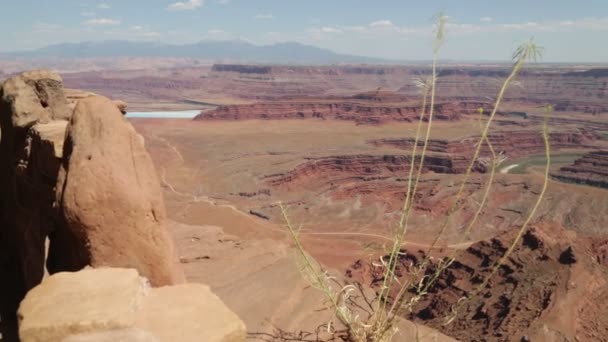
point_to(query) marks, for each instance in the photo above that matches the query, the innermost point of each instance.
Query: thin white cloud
(594, 24)
(136, 32)
(42, 27)
(264, 16)
(142, 31)
(218, 34)
(463, 28)
(584, 24)
(272, 36)
(103, 6)
(87, 14)
(331, 30)
(222, 2)
(101, 22)
(185, 5)
(322, 33)
(386, 28)
(381, 33)
(530, 26)
(382, 24)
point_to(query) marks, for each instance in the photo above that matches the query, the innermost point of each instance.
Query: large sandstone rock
(35, 96)
(109, 198)
(72, 303)
(75, 95)
(34, 114)
(118, 305)
(28, 104)
(189, 312)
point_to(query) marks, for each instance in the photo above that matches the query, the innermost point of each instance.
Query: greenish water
(540, 160)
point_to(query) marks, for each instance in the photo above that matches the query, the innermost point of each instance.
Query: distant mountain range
(236, 50)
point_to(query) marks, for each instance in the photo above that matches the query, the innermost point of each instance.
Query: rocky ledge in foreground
(590, 169)
(113, 304)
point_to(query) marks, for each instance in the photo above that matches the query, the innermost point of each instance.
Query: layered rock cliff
(444, 156)
(591, 169)
(361, 110)
(513, 144)
(366, 167)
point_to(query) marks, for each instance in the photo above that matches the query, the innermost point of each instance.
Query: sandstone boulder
(73, 303)
(189, 312)
(28, 104)
(118, 305)
(75, 95)
(35, 96)
(110, 215)
(111, 209)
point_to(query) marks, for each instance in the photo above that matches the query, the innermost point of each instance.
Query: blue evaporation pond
(183, 114)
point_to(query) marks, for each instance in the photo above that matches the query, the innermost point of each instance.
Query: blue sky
(571, 31)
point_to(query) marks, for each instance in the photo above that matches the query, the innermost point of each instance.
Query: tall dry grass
(381, 325)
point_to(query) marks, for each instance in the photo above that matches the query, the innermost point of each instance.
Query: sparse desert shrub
(381, 323)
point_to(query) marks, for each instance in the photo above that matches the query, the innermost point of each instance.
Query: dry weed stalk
(380, 325)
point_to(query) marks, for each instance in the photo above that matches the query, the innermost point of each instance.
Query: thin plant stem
(524, 226)
(528, 51)
(320, 280)
(393, 258)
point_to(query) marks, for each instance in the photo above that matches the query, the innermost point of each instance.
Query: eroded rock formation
(363, 166)
(591, 169)
(537, 283)
(513, 144)
(362, 110)
(445, 156)
(34, 115)
(110, 204)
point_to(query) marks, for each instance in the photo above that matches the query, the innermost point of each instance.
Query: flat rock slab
(112, 304)
(189, 313)
(87, 301)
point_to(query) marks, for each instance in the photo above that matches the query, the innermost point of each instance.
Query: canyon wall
(513, 144)
(567, 88)
(368, 167)
(591, 169)
(362, 112)
(444, 156)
